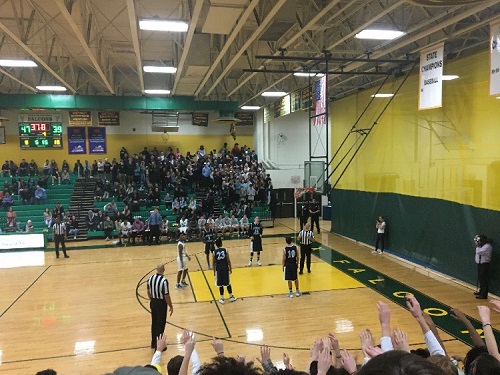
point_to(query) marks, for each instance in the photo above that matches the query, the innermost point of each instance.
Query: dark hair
(47, 372)
(396, 362)
(228, 366)
(218, 242)
(291, 372)
(486, 364)
(174, 365)
(288, 240)
(421, 352)
(472, 355)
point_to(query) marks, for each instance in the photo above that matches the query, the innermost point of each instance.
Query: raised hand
(400, 340)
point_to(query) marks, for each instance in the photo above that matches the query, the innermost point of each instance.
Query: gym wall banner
(495, 58)
(431, 77)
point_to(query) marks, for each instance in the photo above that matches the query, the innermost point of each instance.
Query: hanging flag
(320, 102)
(495, 58)
(431, 77)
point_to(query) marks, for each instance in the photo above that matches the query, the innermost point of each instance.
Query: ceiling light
(250, 107)
(498, 97)
(382, 95)
(163, 25)
(18, 63)
(379, 34)
(274, 93)
(449, 77)
(51, 88)
(157, 92)
(159, 69)
(305, 74)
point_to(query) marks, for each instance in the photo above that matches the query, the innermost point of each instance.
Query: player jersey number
(291, 253)
(221, 255)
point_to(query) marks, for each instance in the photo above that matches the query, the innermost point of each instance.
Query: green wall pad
(432, 232)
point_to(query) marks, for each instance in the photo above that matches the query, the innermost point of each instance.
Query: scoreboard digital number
(40, 135)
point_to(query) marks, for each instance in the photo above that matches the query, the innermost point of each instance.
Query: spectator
(168, 201)
(108, 227)
(90, 221)
(12, 223)
(26, 195)
(6, 169)
(125, 231)
(73, 227)
(78, 169)
(138, 230)
(99, 220)
(65, 177)
(7, 201)
(29, 226)
(23, 168)
(33, 168)
(40, 195)
(47, 218)
(244, 225)
(111, 210)
(58, 211)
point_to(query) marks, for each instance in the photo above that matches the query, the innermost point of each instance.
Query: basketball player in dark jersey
(255, 232)
(222, 269)
(290, 265)
(208, 237)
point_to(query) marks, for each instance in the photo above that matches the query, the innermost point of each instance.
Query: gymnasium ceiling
(95, 47)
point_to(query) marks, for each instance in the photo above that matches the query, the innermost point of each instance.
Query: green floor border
(396, 291)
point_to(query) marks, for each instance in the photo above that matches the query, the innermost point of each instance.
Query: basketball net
(299, 192)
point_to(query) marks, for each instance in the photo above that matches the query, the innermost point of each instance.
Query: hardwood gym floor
(87, 314)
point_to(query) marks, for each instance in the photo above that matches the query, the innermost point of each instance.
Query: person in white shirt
(219, 225)
(165, 228)
(201, 224)
(227, 224)
(183, 226)
(182, 262)
(211, 222)
(244, 225)
(125, 231)
(235, 226)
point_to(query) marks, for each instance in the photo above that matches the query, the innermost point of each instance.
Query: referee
(306, 238)
(158, 301)
(59, 236)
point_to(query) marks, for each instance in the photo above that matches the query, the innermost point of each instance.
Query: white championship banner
(22, 241)
(495, 58)
(431, 77)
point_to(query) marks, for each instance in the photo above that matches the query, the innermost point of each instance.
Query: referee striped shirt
(306, 237)
(59, 229)
(158, 286)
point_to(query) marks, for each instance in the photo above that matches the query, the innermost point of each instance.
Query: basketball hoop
(299, 192)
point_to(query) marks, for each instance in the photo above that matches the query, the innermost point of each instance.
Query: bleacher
(62, 194)
(55, 193)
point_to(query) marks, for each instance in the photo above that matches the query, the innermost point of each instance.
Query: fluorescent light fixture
(306, 74)
(159, 69)
(163, 25)
(18, 63)
(157, 92)
(274, 93)
(379, 34)
(51, 88)
(498, 97)
(382, 95)
(250, 107)
(449, 77)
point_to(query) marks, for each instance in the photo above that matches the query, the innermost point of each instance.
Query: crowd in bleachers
(128, 188)
(188, 186)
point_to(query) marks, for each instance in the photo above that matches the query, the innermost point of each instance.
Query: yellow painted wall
(134, 143)
(451, 153)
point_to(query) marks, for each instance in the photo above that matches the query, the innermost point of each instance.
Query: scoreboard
(40, 135)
